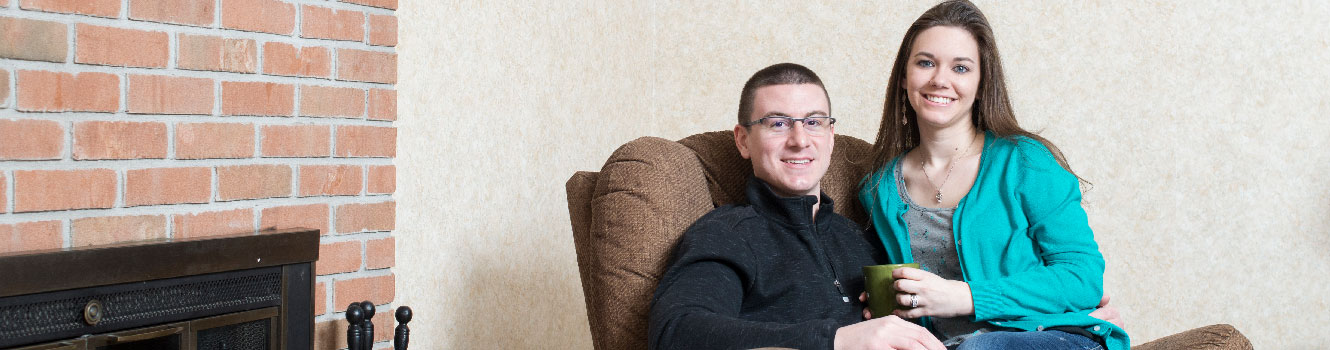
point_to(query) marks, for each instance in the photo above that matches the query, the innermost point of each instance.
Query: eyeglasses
(780, 125)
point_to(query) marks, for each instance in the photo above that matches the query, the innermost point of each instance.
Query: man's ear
(741, 140)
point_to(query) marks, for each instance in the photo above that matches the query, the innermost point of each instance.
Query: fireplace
(243, 292)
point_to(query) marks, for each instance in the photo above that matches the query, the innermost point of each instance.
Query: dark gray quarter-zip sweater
(766, 273)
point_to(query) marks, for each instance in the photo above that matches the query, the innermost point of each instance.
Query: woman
(990, 211)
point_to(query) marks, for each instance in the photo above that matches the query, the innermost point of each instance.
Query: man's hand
(1108, 313)
(934, 295)
(889, 332)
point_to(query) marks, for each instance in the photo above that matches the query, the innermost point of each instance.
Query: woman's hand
(1108, 313)
(933, 295)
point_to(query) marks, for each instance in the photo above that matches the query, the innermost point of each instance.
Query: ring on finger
(914, 300)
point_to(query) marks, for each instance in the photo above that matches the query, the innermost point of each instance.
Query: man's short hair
(777, 74)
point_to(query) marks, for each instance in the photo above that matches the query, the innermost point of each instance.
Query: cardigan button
(1040, 328)
(1096, 328)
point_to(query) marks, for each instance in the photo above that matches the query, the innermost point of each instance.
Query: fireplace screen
(234, 293)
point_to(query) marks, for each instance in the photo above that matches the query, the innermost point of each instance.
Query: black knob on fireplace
(92, 312)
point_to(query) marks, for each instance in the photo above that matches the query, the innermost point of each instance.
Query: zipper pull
(843, 296)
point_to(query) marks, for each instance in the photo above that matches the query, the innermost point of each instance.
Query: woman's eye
(961, 69)
(925, 63)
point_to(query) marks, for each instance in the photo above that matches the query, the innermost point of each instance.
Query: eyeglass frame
(830, 121)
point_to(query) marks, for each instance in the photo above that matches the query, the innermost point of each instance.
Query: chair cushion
(647, 194)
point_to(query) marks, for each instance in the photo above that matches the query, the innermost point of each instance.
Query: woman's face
(942, 76)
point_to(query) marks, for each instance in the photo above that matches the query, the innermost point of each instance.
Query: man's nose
(798, 136)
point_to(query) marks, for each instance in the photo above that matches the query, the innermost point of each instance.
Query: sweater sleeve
(698, 301)
(1071, 276)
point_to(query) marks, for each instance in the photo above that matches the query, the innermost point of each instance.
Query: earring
(905, 120)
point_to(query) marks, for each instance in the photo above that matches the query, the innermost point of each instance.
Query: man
(782, 270)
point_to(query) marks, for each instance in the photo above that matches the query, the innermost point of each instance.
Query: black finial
(403, 316)
(354, 336)
(369, 309)
(368, 326)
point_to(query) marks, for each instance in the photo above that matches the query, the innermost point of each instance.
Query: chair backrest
(627, 218)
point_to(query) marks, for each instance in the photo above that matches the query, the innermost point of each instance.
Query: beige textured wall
(1203, 127)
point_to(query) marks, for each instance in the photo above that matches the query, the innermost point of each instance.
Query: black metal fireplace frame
(49, 296)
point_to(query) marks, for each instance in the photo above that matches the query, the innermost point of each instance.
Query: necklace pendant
(938, 197)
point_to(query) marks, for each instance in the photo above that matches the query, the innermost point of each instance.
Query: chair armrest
(1217, 336)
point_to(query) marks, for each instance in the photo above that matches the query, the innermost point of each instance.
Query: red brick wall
(125, 120)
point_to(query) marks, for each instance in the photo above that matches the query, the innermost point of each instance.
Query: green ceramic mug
(881, 290)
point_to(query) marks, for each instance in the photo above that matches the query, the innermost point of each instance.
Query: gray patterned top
(934, 249)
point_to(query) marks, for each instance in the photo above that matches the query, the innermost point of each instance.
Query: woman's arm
(1071, 277)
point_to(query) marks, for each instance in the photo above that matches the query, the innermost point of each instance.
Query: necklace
(951, 166)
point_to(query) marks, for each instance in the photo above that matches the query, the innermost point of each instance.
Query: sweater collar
(797, 210)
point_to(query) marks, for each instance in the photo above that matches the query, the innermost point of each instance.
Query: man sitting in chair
(782, 270)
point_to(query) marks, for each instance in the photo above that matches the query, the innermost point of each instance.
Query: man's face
(794, 161)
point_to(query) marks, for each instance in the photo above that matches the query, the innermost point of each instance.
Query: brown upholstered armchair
(627, 218)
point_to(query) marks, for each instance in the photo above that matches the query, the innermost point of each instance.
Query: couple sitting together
(990, 211)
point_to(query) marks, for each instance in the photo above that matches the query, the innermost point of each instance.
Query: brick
(325, 23)
(366, 141)
(381, 253)
(287, 59)
(382, 30)
(257, 98)
(167, 186)
(43, 91)
(100, 8)
(29, 236)
(43, 190)
(331, 335)
(382, 179)
(212, 53)
(325, 101)
(191, 12)
(382, 104)
(33, 40)
(4, 88)
(121, 47)
(330, 180)
(4, 194)
(119, 140)
(116, 229)
(388, 4)
(313, 216)
(159, 94)
(320, 298)
(338, 257)
(214, 140)
(214, 223)
(296, 140)
(269, 16)
(367, 66)
(30, 139)
(253, 181)
(378, 290)
(353, 218)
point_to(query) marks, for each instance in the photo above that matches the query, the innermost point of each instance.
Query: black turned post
(354, 336)
(403, 316)
(368, 326)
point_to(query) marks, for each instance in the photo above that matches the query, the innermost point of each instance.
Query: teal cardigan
(1025, 245)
